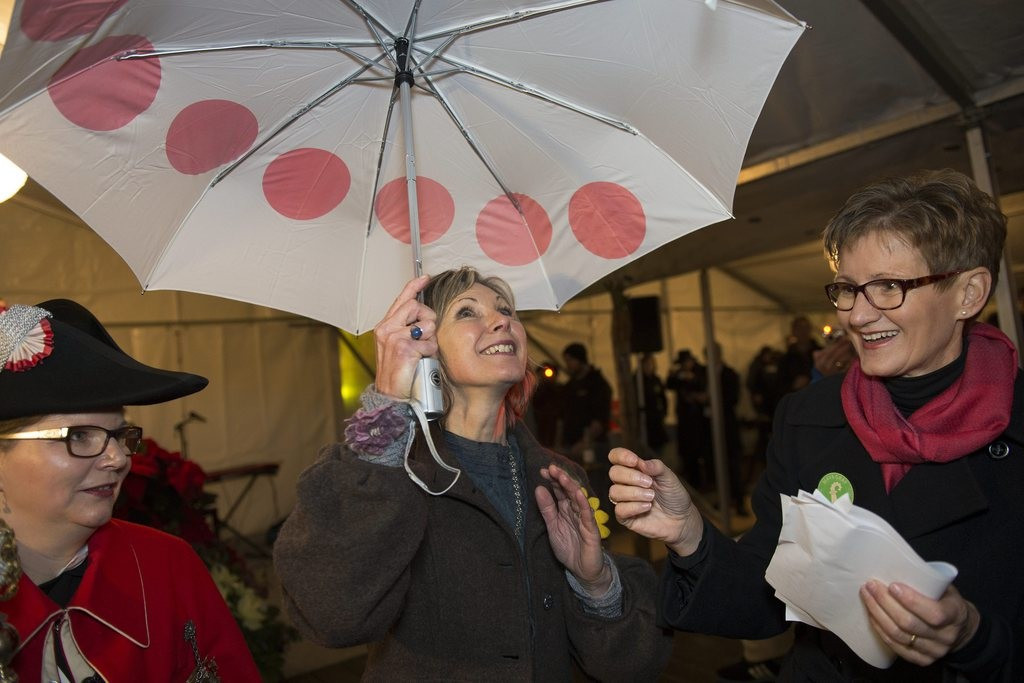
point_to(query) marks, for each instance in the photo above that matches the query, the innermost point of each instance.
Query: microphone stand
(180, 428)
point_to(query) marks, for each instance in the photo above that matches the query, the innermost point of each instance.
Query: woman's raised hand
(572, 530)
(650, 500)
(398, 350)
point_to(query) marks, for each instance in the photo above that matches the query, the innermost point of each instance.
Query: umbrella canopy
(245, 151)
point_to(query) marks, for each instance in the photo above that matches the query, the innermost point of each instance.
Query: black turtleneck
(62, 588)
(910, 393)
(488, 466)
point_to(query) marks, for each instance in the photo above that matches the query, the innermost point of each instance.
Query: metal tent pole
(714, 377)
(1005, 291)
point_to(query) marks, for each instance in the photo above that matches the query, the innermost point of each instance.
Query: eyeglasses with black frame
(86, 441)
(885, 294)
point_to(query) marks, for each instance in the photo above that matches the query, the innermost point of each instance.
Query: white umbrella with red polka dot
(257, 150)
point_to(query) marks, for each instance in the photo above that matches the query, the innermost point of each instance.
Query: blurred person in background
(796, 367)
(763, 385)
(587, 407)
(546, 405)
(688, 379)
(655, 404)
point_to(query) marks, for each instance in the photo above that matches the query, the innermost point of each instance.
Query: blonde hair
(439, 294)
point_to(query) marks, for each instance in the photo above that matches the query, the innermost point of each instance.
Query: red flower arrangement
(165, 491)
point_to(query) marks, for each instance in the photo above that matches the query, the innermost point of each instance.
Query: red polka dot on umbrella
(607, 219)
(434, 201)
(51, 20)
(306, 183)
(505, 238)
(97, 92)
(209, 133)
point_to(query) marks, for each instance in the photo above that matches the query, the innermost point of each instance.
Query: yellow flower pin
(600, 516)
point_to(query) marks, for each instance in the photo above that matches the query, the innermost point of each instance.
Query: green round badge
(834, 485)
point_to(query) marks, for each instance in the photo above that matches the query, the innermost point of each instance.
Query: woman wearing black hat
(99, 599)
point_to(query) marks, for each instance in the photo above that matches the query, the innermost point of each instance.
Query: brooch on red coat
(206, 667)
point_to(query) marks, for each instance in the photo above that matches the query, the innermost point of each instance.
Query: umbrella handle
(417, 410)
(426, 387)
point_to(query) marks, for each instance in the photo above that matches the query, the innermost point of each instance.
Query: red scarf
(964, 417)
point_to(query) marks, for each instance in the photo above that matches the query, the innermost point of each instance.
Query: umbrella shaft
(404, 98)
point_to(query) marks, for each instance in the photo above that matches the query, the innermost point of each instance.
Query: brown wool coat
(438, 585)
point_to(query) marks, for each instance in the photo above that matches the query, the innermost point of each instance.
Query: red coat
(128, 615)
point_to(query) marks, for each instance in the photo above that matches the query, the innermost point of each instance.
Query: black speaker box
(645, 320)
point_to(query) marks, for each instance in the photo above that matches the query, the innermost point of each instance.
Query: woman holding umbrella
(926, 429)
(99, 598)
(497, 573)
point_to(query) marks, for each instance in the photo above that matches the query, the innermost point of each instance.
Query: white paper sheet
(827, 551)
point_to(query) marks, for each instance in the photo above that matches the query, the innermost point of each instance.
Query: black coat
(969, 512)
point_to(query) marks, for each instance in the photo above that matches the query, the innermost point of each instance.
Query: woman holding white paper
(926, 429)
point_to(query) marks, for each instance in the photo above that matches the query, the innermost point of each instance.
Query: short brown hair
(439, 294)
(942, 214)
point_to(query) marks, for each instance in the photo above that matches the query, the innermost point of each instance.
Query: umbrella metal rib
(464, 130)
(388, 52)
(375, 25)
(511, 18)
(338, 87)
(399, 52)
(533, 92)
(472, 143)
(555, 159)
(343, 46)
(410, 25)
(380, 158)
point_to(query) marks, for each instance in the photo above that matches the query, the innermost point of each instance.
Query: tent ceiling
(873, 89)
(790, 209)
(850, 72)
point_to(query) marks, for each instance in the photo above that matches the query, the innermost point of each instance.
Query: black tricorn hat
(57, 358)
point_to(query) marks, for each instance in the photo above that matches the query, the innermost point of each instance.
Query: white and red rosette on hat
(26, 337)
